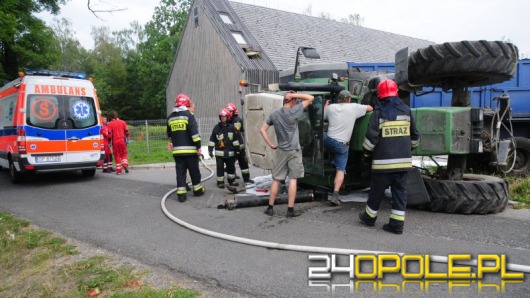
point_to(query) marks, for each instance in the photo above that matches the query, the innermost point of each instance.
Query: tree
(25, 41)
(156, 54)
(325, 16)
(308, 11)
(73, 57)
(107, 65)
(354, 19)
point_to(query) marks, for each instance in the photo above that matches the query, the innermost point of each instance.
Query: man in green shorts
(288, 153)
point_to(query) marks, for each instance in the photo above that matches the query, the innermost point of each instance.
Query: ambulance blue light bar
(64, 74)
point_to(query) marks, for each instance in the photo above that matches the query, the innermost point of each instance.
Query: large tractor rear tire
(465, 63)
(478, 194)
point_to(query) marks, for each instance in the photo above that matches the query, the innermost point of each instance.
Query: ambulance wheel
(16, 176)
(88, 173)
(465, 63)
(475, 194)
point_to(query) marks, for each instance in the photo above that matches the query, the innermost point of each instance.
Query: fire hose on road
(304, 248)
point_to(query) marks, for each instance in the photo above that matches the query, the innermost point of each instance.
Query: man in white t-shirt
(341, 117)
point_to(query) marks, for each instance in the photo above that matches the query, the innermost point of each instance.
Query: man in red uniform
(107, 161)
(119, 132)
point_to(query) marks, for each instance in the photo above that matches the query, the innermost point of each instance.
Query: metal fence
(152, 134)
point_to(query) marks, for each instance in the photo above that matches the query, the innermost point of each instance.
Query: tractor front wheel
(479, 194)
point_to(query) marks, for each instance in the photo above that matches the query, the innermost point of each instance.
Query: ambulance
(50, 121)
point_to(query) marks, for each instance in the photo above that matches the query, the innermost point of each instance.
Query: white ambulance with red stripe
(50, 121)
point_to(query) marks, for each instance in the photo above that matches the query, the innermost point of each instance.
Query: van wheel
(16, 176)
(88, 173)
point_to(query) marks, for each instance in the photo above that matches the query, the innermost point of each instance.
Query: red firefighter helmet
(182, 100)
(387, 88)
(232, 108)
(224, 112)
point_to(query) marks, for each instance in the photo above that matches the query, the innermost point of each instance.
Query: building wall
(204, 69)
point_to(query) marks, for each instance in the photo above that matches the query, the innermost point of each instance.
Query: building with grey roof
(225, 42)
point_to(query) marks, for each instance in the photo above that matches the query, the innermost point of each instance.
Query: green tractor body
(456, 132)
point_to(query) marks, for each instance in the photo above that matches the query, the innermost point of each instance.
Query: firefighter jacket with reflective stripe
(238, 125)
(225, 139)
(391, 136)
(183, 131)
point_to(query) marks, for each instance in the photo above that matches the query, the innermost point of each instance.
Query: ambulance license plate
(47, 158)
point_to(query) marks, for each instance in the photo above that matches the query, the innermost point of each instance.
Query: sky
(433, 20)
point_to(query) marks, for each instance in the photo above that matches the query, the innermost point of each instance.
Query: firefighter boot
(220, 184)
(367, 219)
(232, 182)
(182, 197)
(199, 192)
(394, 226)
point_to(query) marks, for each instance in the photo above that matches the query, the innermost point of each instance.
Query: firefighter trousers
(398, 187)
(243, 165)
(187, 163)
(230, 168)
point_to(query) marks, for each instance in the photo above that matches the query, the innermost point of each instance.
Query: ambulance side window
(42, 111)
(81, 110)
(7, 111)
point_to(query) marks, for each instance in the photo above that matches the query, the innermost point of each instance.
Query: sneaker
(182, 198)
(366, 219)
(335, 199)
(390, 229)
(199, 192)
(269, 212)
(126, 169)
(290, 214)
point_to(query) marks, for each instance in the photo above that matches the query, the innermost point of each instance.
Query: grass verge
(519, 188)
(34, 263)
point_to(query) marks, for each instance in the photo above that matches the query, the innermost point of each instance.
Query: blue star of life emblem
(81, 110)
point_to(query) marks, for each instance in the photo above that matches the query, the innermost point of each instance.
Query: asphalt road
(122, 214)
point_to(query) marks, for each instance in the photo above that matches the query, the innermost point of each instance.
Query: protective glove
(211, 154)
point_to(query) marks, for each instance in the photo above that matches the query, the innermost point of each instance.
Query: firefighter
(185, 144)
(242, 156)
(225, 140)
(107, 139)
(390, 136)
(119, 133)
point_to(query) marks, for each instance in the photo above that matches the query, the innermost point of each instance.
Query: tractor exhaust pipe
(311, 87)
(246, 200)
